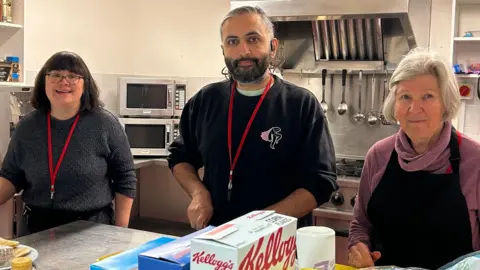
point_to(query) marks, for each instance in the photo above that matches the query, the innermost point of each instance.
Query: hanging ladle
(359, 116)
(324, 103)
(343, 107)
(372, 119)
(383, 120)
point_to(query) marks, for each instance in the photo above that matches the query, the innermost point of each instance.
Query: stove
(338, 212)
(349, 167)
(348, 180)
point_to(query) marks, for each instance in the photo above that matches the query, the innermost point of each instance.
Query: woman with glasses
(70, 157)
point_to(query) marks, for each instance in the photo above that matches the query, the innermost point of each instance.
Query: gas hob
(348, 180)
(349, 167)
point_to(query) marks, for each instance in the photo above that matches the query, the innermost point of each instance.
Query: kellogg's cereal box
(259, 240)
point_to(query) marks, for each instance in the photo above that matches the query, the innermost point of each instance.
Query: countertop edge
(146, 162)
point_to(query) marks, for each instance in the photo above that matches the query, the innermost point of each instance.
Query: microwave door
(143, 96)
(146, 97)
(148, 139)
(151, 99)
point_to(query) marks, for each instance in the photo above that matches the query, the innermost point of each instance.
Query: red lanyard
(233, 162)
(53, 174)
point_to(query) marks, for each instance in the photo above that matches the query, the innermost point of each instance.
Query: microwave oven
(151, 97)
(149, 136)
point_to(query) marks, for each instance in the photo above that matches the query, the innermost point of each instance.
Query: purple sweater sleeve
(374, 166)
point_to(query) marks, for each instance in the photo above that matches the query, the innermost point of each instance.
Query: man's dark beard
(253, 75)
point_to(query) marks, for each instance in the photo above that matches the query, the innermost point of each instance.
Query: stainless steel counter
(145, 162)
(79, 244)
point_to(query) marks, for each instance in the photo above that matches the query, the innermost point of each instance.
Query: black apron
(40, 219)
(420, 219)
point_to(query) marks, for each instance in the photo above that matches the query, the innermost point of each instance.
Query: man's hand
(200, 210)
(360, 256)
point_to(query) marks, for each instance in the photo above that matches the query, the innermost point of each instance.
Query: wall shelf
(10, 87)
(467, 39)
(12, 43)
(468, 2)
(472, 76)
(4, 25)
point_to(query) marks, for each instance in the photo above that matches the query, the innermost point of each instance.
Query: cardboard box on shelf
(259, 240)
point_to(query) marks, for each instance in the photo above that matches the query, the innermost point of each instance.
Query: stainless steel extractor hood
(352, 34)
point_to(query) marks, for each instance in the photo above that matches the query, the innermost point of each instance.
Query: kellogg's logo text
(275, 252)
(255, 214)
(201, 258)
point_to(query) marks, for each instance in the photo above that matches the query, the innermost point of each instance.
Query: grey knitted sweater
(97, 164)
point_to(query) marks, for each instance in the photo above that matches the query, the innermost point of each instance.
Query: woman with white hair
(418, 197)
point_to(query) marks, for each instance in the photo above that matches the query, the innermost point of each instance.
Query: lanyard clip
(52, 191)
(229, 192)
(230, 186)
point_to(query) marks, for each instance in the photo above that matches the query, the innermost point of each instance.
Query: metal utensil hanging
(359, 116)
(372, 119)
(324, 103)
(343, 107)
(383, 120)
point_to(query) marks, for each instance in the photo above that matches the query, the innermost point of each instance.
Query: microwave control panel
(176, 131)
(180, 96)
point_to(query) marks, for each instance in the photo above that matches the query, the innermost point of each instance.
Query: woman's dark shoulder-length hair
(72, 62)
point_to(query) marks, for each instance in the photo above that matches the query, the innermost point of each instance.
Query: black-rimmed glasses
(71, 79)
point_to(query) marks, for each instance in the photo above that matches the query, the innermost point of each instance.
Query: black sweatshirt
(97, 163)
(288, 147)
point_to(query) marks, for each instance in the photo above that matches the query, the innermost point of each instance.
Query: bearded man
(264, 143)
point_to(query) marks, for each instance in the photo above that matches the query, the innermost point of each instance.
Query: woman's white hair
(423, 62)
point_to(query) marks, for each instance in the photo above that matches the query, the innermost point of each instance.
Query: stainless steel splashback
(351, 139)
(369, 35)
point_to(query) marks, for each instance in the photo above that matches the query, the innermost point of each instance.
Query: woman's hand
(360, 256)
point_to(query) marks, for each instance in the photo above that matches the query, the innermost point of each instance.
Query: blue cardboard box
(174, 255)
(128, 260)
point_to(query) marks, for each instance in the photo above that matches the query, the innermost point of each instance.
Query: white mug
(316, 248)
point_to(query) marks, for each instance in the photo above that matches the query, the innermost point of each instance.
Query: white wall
(120, 37)
(148, 37)
(440, 27)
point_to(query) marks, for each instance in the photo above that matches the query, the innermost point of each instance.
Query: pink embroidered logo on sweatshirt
(273, 136)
